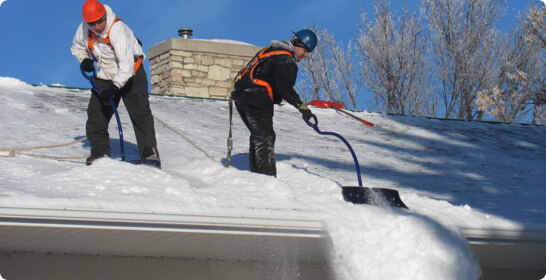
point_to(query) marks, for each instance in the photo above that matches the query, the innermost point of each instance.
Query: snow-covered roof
(463, 182)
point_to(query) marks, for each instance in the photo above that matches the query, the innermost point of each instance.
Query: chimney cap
(185, 32)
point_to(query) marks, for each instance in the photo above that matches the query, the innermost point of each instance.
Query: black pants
(135, 97)
(262, 139)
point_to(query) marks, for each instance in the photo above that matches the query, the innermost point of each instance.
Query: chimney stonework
(197, 68)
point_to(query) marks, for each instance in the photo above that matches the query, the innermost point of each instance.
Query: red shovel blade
(372, 196)
(338, 107)
(325, 104)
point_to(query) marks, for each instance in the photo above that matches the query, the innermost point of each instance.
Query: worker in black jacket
(268, 79)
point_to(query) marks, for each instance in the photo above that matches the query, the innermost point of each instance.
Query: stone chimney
(195, 67)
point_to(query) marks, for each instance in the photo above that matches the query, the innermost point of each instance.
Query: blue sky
(36, 35)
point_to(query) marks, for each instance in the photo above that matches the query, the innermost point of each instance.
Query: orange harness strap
(138, 62)
(92, 38)
(255, 61)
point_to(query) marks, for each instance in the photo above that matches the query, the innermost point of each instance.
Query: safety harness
(249, 69)
(92, 38)
(251, 66)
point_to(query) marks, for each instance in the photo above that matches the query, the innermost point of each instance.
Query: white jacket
(116, 65)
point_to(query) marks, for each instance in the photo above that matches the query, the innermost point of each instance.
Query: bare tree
(463, 33)
(329, 72)
(519, 73)
(394, 63)
(537, 36)
(318, 84)
(461, 66)
(345, 73)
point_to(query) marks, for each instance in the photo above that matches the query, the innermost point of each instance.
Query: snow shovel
(360, 194)
(92, 81)
(338, 107)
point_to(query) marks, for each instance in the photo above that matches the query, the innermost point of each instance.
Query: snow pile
(386, 244)
(432, 165)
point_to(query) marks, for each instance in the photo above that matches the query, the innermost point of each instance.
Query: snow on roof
(456, 177)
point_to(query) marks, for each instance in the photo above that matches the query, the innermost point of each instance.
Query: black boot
(151, 158)
(92, 158)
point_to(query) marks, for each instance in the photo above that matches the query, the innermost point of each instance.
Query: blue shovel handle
(315, 126)
(120, 130)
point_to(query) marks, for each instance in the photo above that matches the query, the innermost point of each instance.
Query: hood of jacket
(110, 17)
(285, 45)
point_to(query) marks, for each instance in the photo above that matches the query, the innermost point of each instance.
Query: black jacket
(279, 71)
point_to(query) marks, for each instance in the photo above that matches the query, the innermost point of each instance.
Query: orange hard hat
(93, 10)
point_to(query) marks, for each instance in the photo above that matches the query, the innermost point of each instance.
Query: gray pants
(135, 98)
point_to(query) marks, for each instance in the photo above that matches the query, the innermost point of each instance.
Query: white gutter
(77, 218)
(523, 249)
(96, 232)
(99, 232)
(520, 237)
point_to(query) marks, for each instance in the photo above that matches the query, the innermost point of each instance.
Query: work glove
(88, 65)
(305, 112)
(111, 91)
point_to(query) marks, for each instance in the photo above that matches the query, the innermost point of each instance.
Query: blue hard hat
(307, 37)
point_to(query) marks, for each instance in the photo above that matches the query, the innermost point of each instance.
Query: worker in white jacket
(105, 39)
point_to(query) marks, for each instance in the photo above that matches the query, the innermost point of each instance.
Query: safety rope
(13, 152)
(183, 136)
(230, 134)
